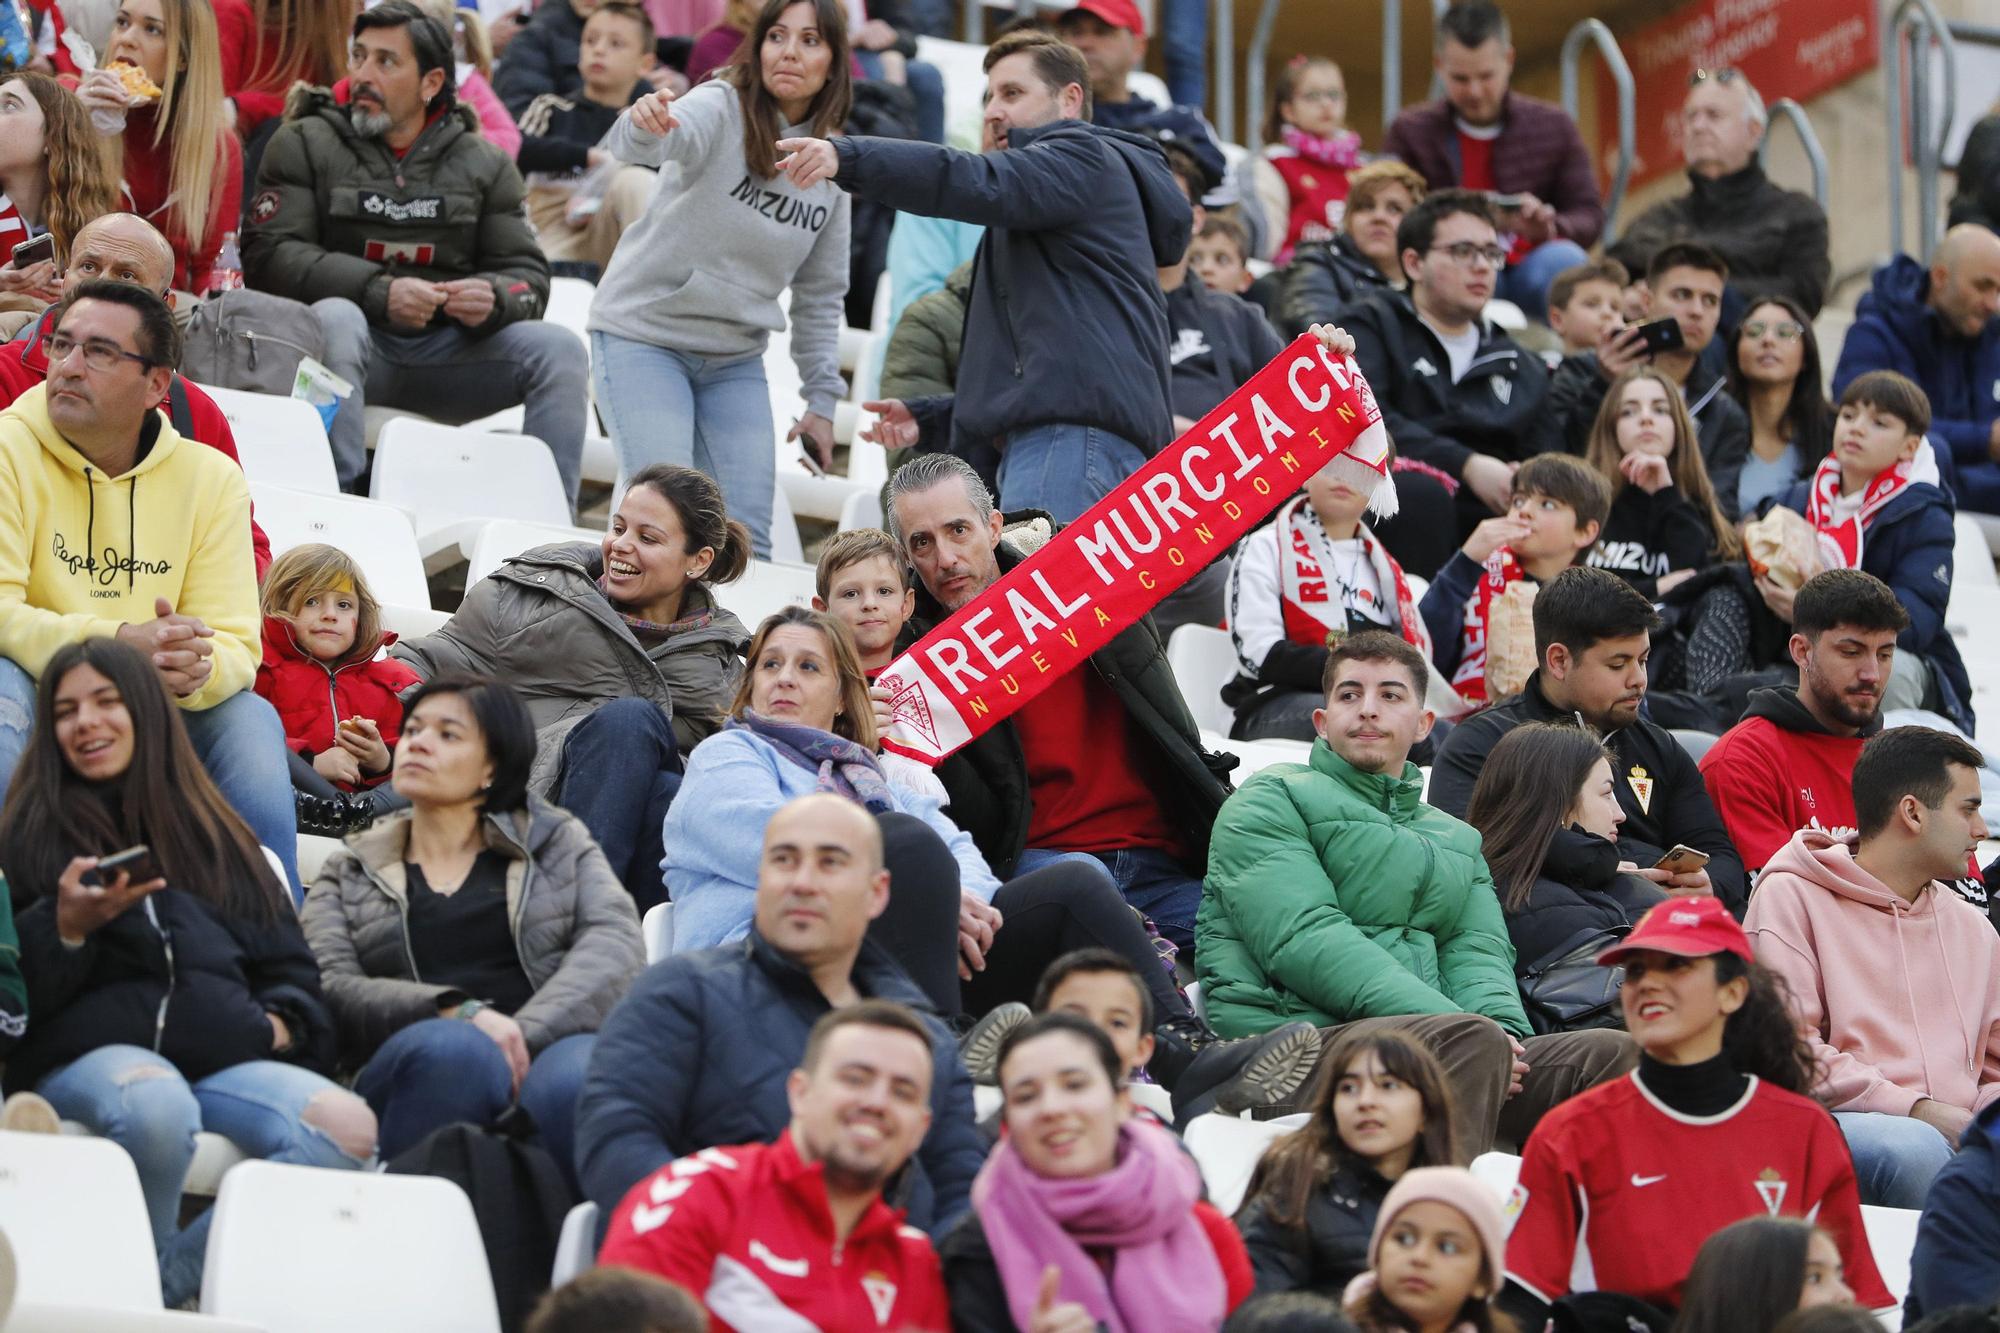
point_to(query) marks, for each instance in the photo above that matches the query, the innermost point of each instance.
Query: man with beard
(1592, 638)
(405, 231)
(797, 1232)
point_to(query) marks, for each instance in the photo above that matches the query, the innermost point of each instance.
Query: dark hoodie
(1577, 890)
(1576, 393)
(1646, 536)
(1066, 321)
(1896, 329)
(1219, 342)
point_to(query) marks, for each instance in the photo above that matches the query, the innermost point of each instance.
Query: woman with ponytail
(620, 650)
(1716, 1124)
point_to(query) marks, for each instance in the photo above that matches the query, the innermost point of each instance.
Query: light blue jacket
(714, 835)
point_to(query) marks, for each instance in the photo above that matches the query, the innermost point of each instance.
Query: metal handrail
(1253, 72)
(1392, 61)
(1224, 37)
(1900, 34)
(1787, 109)
(1594, 32)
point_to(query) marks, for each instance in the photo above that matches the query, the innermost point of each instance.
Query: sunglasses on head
(1726, 74)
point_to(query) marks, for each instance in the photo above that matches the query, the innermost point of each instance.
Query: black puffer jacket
(542, 58)
(1773, 239)
(174, 975)
(1579, 889)
(1323, 277)
(988, 779)
(696, 1056)
(1331, 1250)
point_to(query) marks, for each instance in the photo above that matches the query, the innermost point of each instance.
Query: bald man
(126, 248)
(698, 1053)
(1941, 327)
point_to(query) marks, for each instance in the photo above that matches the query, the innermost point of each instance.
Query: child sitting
(1586, 303)
(1314, 573)
(863, 582)
(578, 216)
(1301, 180)
(1664, 523)
(1878, 506)
(1435, 1258)
(1381, 1109)
(1220, 256)
(1559, 507)
(325, 672)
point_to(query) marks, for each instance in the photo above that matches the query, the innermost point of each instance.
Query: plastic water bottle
(227, 275)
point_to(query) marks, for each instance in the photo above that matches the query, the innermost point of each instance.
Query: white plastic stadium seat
(280, 440)
(304, 1250)
(658, 929)
(1152, 1097)
(378, 536)
(1892, 1234)
(1228, 1150)
(503, 539)
(766, 587)
(313, 851)
(1497, 1171)
(1195, 1002)
(453, 479)
(785, 543)
(1203, 660)
(576, 1248)
(1971, 559)
(78, 1246)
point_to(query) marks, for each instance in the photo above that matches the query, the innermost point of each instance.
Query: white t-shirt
(1460, 347)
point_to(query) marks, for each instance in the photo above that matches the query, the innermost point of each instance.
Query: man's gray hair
(1753, 102)
(927, 470)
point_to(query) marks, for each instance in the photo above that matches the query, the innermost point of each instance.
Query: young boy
(1220, 255)
(862, 581)
(1313, 573)
(1878, 505)
(560, 137)
(1586, 303)
(1559, 507)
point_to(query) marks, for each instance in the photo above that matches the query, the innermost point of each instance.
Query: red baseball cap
(1687, 927)
(1116, 13)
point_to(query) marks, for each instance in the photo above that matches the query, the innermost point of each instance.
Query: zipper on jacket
(166, 946)
(1007, 323)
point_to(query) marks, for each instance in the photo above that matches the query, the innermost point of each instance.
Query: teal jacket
(1334, 894)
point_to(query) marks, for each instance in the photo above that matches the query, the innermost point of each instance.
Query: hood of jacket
(1899, 295)
(1160, 199)
(1829, 863)
(31, 409)
(1581, 860)
(1782, 708)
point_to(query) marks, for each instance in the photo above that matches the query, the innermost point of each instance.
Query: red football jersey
(1617, 1191)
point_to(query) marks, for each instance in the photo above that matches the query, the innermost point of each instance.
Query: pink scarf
(1342, 151)
(1164, 1276)
(1840, 540)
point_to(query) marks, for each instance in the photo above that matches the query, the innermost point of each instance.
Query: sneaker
(1248, 1072)
(29, 1113)
(979, 1048)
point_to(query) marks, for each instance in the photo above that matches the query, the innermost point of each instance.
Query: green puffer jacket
(336, 214)
(1334, 894)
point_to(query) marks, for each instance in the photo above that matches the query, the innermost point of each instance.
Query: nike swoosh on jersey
(1640, 1182)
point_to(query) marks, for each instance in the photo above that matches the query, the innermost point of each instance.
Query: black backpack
(519, 1196)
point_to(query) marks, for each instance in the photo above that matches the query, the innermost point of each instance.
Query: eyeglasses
(1464, 252)
(1726, 74)
(98, 353)
(1785, 330)
(1319, 95)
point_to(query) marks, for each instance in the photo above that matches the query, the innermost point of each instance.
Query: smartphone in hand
(1661, 335)
(136, 863)
(1682, 860)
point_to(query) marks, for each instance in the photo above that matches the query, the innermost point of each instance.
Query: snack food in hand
(138, 86)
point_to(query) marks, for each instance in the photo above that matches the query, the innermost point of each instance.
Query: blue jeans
(1895, 1156)
(604, 762)
(239, 741)
(140, 1102)
(1527, 283)
(1184, 29)
(1064, 469)
(450, 374)
(663, 406)
(443, 1071)
(1149, 879)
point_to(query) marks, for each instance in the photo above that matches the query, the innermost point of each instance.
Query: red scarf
(1840, 538)
(1311, 611)
(1470, 679)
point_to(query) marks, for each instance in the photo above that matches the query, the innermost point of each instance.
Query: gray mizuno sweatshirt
(703, 269)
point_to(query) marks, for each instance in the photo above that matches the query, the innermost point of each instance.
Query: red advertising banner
(1166, 522)
(1787, 48)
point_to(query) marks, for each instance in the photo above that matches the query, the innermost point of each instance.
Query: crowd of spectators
(1599, 847)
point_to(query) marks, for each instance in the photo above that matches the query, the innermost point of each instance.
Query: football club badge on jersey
(1771, 1189)
(1510, 1211)
(1641, 783)
(881, 1295)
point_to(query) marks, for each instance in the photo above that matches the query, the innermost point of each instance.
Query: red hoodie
(1778, 771)
(23, 365)
(310, 697)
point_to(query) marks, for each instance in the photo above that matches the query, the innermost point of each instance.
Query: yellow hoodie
(176, 526)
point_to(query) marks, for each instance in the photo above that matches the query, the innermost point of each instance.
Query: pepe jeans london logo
(107, 570)
(429, 208)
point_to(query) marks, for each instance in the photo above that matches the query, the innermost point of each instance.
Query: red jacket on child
(310, 697)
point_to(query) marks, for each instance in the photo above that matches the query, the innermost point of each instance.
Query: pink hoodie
(1900, 1001)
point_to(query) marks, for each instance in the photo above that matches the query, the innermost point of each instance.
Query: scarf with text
(1182, 510)
(1312, 607)
(1840, 535)
(1470, 678)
